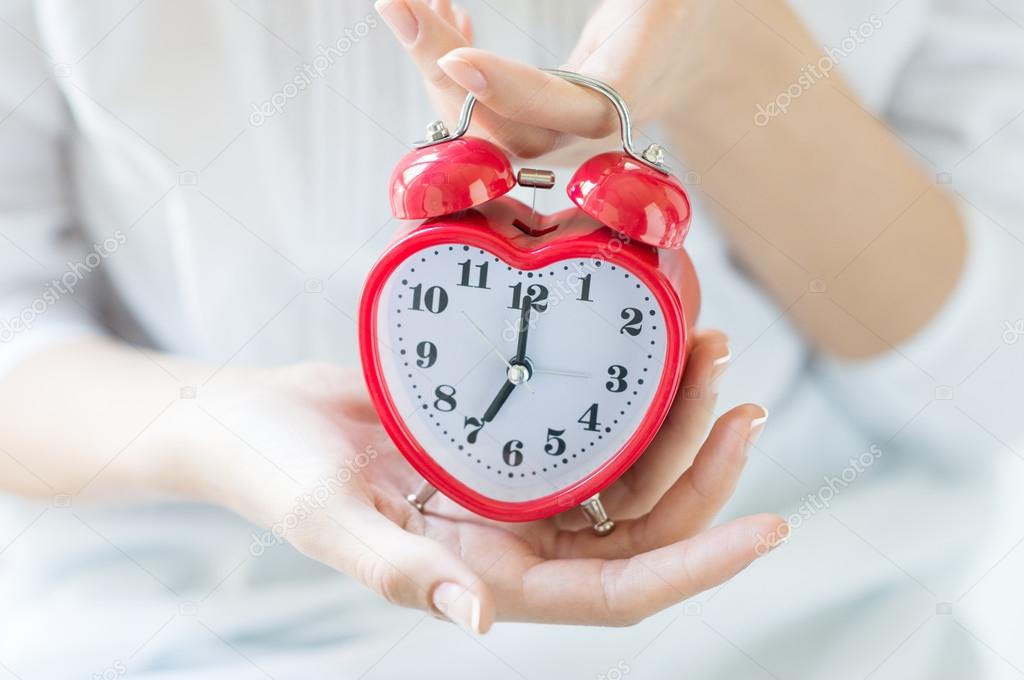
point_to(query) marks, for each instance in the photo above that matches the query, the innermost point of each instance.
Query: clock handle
(422, 495)
(595, 512)
(653, 156)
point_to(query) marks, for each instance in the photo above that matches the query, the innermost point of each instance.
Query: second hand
(493, 347)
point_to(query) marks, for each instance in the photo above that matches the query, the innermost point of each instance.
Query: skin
(847, 232)
(254, 441)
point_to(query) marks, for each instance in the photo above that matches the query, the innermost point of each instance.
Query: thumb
(406, 569)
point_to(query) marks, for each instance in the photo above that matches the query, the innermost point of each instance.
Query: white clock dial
(595, 351)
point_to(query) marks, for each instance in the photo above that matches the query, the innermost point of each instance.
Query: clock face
(516, 427)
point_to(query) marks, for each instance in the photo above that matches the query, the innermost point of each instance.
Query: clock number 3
(618, 379)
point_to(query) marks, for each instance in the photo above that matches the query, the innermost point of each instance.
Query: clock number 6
(512, 454)
(555, 445)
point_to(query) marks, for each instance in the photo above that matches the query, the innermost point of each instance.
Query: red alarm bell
(522, 363)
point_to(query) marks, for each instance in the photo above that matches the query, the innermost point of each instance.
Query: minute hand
(524, 330)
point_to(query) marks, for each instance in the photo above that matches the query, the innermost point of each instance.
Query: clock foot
(422, 495)
(595, 512)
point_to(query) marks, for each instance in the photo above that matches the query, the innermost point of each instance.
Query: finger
(528, 95)
(444, 9)
(680, 436)
(405, 568)
(625, 591)
(426, 36)
(691, 504)
(464, 24)
(700, 494)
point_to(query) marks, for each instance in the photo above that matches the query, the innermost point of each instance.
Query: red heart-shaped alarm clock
(522, 363)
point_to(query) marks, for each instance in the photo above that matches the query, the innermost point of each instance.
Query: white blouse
(209, 179)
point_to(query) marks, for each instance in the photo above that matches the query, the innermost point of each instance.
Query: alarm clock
(521, 362)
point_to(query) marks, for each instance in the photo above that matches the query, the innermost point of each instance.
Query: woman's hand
(300, 450)
(704, 71)
(626, 43)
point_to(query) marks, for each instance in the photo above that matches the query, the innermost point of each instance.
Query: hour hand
(499, 401)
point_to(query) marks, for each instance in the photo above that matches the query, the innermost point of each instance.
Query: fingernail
(779, 536)
(459, 605)
(756, 428)
(400, 18)
(718, 367)
(463, 73)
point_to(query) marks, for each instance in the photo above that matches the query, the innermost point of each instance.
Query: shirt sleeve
(46, 268)
(960, 109)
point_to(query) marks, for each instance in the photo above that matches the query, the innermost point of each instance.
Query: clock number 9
(434, 299)
(427, 353)
(555, 445)
(634, 321)
(618, 379)
(512, 454)
(445, 401)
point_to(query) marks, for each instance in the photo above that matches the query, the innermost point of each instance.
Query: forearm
(822, 203)
(94, 419)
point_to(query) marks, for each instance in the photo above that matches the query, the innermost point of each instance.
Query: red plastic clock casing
(446, 178)
(506, 228)
(634, 199)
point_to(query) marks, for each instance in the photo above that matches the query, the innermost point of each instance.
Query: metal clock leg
(595, 512)
(422, 495)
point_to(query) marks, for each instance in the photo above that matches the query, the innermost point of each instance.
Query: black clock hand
(499, 401)
(524, 329)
